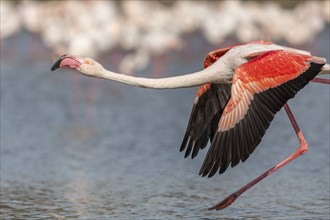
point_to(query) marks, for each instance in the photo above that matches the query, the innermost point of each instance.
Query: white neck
(211, 74)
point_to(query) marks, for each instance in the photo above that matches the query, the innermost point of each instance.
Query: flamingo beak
(67, 61)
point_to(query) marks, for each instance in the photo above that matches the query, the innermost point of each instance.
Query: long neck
(211, 74)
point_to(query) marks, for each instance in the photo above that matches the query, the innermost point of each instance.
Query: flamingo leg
(76, 97)
(321, 80)
(89, 99)
(303, 147)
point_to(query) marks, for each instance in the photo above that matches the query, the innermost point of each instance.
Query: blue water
(80, 148)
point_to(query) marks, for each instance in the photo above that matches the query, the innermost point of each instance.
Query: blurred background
(143, 30)
(78, 147)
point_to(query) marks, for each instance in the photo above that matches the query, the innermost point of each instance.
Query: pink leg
(321, 80)
(301, 149)
(76, 97)
(92, 86)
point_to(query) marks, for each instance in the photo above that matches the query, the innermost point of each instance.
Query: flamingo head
(85, 65)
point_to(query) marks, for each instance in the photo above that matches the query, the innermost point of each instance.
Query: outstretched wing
(209, 103)
(260, 88)
(207, 109)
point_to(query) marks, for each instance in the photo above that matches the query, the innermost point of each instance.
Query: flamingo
(240, 90)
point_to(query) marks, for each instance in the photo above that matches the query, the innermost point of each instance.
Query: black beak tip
(55, 66)
(57, 63)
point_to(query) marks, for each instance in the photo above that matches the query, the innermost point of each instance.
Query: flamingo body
(216, 54)
(234, 116)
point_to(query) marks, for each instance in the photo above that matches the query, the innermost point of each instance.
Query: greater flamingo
(241, 89)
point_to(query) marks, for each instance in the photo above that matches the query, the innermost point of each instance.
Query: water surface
(79, 148)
